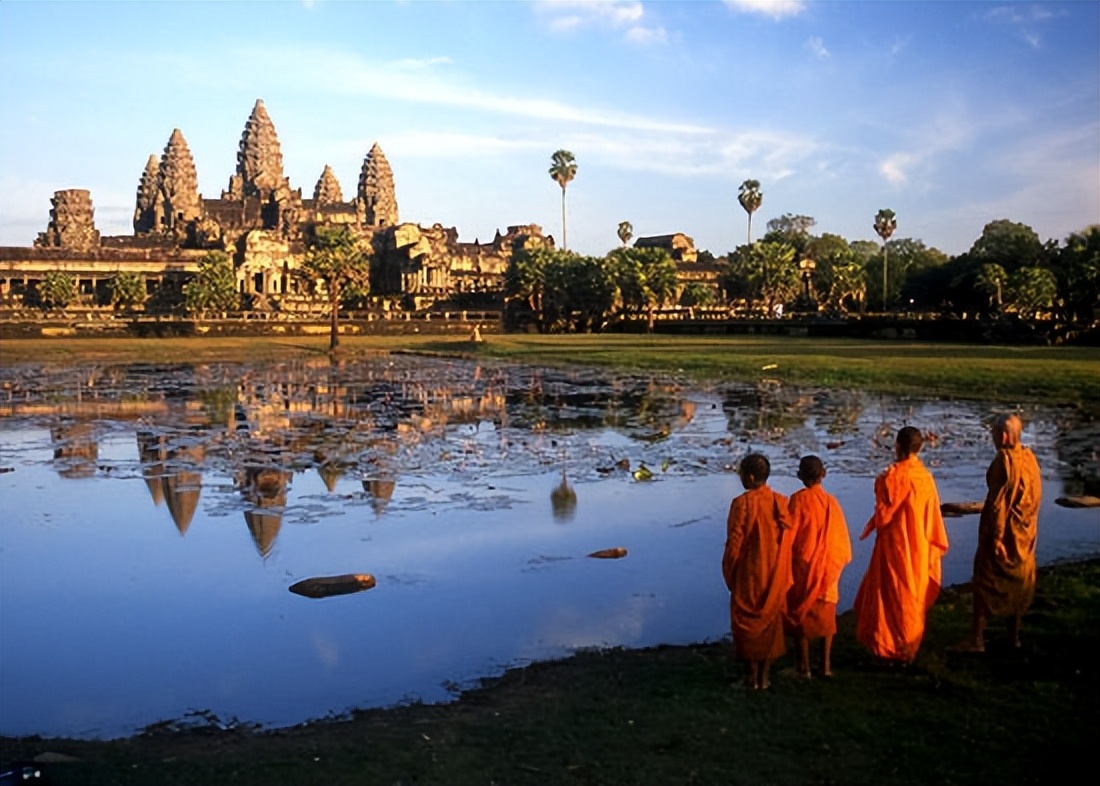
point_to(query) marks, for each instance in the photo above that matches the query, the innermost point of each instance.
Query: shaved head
(1006, 431)
(909, 442)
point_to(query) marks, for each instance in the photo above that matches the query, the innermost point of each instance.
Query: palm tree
(626, 231)
(991, 280)
(750, 196)
(563, 169)
(885, 224)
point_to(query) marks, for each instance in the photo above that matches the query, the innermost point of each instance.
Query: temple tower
(259, 161)
(327, 191)
(179, 201)
(72, 222)
(377, 200)
(145, 211)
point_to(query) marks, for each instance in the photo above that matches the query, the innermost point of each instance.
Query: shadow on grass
(679, 715)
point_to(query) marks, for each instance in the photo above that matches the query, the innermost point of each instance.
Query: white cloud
(817, 46)
(618, 15)
(350, 75)
(418, 63)
(776, 9)
(442, 144)
(895, 168)
(647, 35)
(1026, 20)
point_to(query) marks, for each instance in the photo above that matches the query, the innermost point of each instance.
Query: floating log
(1079, 501)
(961, 508)
(326, 586)
(616, 553)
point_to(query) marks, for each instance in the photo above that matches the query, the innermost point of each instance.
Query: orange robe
(1011, 517)
(820, 549)
(756, 564)
(903, 578)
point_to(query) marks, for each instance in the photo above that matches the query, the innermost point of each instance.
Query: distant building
(678, 245)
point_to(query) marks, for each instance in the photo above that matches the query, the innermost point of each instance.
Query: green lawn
(1066, 375)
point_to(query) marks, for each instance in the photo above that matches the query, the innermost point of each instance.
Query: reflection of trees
(75, 449)
(1078, 447)
(641, 408)
(767, 412)
(844, 409)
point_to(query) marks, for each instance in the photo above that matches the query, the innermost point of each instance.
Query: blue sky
(953, 114)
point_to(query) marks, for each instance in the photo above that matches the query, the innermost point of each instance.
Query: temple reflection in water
(367, 421)
(373, 420)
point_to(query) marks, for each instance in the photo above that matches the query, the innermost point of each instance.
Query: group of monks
(783, 558)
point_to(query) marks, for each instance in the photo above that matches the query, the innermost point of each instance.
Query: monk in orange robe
(756, 565)
(820, 549)
(904, 575)
(1004, 564)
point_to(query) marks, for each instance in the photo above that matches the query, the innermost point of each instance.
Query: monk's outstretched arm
(887, 501)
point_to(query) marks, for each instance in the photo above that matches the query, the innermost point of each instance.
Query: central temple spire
(259, 160)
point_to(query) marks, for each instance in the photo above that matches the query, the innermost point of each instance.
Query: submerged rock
(1080, 501)
(326, 586)
(961, 508)
(616, 553)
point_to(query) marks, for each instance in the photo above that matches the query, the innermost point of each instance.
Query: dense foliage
(339, 262)
(214, 287)
(127, 290)
(57, 291)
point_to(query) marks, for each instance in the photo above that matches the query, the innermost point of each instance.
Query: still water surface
(152, 519)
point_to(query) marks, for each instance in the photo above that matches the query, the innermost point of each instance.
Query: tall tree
(646, 278)
(1031, 290)
(214, 286)
(750, 196)
(885, 224)
(563, 168)
(1077, 267)
(525, 277)
(991, 280)
(625, 231)
(579, 292)
(338, 259)
(762, 271)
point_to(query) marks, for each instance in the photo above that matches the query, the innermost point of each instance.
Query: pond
(154, 518)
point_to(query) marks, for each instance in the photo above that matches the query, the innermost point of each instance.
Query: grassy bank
(676, 715)
(1069, 375)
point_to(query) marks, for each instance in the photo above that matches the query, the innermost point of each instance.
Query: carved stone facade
(72, 222)
(678, 245)
(327, 191)
(378, 204)
(259, 162)
(261, 221)
(178, 201)
(145, 212)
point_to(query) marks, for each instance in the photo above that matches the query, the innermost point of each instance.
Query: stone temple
(260, 220)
